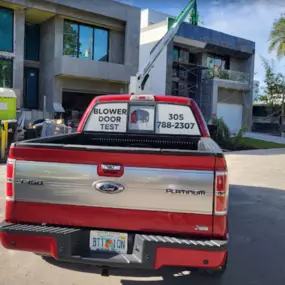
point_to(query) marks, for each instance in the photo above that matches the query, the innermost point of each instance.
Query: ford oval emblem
(108, 187)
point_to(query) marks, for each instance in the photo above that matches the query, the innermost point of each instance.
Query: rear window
(129, 117)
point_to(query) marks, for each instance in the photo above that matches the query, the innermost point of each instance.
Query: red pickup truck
(140, 185)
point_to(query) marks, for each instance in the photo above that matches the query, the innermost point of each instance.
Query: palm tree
(277, 37)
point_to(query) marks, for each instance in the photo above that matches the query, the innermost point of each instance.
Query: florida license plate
(109, 241)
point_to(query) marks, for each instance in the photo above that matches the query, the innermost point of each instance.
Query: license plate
(109, 241)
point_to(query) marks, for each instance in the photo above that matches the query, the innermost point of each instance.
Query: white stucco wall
(157, 80)
(150, 17)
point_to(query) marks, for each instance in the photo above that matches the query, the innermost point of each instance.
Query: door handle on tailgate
(111, 167)
(110, 170)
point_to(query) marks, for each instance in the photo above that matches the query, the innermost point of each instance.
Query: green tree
(274, 84)
(5, 73)
(274, 91)
(70, 39)
(277, 37)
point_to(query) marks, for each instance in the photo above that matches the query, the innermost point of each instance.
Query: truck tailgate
(169, 191)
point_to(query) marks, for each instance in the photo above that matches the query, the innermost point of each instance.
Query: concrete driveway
(257, 220)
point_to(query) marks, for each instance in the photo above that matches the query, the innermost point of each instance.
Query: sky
(249, 19)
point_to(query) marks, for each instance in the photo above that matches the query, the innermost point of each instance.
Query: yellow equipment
(4, 139)
(8, 107)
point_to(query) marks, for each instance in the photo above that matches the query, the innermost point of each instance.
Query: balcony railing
(225, 74)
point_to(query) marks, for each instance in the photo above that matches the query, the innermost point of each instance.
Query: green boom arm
(142, 76)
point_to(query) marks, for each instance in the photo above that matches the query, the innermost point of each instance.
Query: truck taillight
(221, 193)
(10, 179)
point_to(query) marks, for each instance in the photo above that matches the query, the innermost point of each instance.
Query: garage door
(231, 114)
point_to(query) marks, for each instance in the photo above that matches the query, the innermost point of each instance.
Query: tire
(216, 272)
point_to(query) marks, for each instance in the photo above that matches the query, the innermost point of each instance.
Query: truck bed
(55, 177)
(118, 140)
(141, 185)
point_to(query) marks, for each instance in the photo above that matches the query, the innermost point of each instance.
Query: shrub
(223, 135)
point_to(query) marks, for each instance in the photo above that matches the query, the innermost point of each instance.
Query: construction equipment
(8, 99)
(137, 83)
(8, 122)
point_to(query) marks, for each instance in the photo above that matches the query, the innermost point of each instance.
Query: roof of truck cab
(158, 98)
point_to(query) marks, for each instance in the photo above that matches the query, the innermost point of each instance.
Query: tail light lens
(221, 193)
(10, 179)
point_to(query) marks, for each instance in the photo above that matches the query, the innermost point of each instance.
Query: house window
(182, 55)
(217, 62)
(32, 42)
(101, 45)
(86, 42)
(70, 39)
(6, 29)
(6, 73)
(176, 54)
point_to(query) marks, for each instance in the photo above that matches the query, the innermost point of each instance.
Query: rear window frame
(143, 103)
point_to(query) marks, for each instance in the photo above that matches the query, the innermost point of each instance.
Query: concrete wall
(48, 49)
(19, 43)
(65, 65)
(217, 39)
(123, 21)
(62, 72)
(91, 86)
(117, 47)
(108, 8)
(150, 17)
(231, 96)
(233, 93)
(237, 64)
(149, 36)
(132, 42)
(221, 84)
(106, 13)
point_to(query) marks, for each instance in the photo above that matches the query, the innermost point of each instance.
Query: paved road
(257, 220)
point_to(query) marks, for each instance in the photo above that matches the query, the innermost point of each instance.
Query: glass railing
(225, 74)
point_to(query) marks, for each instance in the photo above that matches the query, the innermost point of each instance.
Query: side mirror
(213, 130)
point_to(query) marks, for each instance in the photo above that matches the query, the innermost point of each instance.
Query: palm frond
(277, 37)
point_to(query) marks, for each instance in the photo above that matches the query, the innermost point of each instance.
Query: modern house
(214, 68)
(66, 51)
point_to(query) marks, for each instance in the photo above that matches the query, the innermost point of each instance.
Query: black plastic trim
(73, 245)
